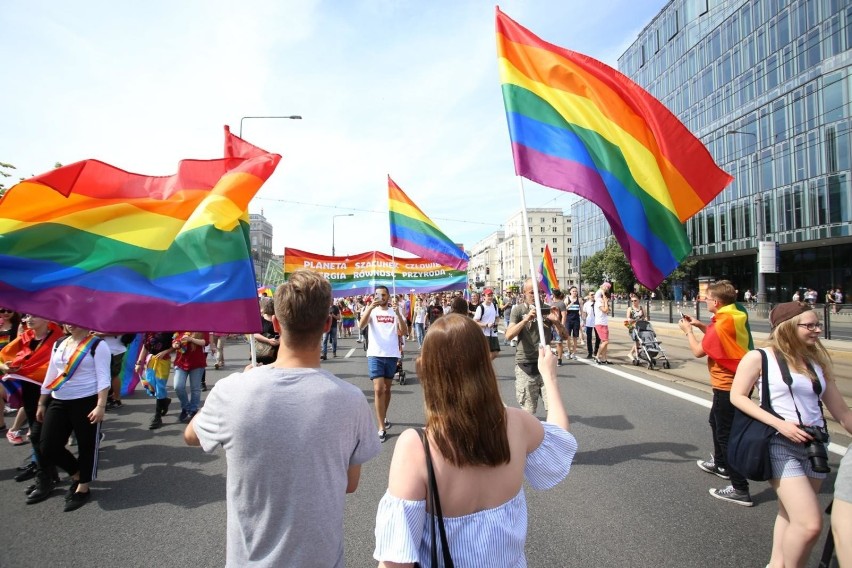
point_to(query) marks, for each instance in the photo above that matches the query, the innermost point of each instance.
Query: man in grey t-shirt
(529, 386)
(294, 436)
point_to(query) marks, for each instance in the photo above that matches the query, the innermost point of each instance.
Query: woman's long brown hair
(464, 412)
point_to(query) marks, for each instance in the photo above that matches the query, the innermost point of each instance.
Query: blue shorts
(382, 367)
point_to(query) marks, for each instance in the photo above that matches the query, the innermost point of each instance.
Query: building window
(555, 250)
(554, 239)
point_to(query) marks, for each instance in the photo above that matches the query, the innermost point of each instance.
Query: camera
(817, 454)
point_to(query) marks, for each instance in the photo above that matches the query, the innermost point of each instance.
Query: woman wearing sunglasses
(797, 451)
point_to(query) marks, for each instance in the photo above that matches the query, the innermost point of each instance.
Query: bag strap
(435, 502)
(788, 380)
(88, 344)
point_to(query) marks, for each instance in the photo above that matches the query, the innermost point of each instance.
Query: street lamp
(291, 117)
(333, 217)
(758, 222)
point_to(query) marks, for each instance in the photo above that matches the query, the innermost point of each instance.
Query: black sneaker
(77, 500)
(710, 467)
(383, 436)
(183, 414)
(27, 473)
(733, 496)
(387, 424)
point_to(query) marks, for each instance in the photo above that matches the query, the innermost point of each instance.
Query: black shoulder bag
(437, 516)
(748, 444)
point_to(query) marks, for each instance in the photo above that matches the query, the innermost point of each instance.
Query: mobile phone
(685, 317)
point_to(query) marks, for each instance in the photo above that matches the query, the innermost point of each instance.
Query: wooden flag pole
(538, 316)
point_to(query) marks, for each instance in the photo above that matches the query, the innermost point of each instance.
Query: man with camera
(726, 340)
(485, 317)
(295, 437)
(529, 384)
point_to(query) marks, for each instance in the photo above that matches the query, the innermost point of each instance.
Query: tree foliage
(611, 263)
(4, 173)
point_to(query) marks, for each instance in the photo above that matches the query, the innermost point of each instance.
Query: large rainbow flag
(728, 339)
(109, 250)
(580, 126)
(412, 231)
(547, 273)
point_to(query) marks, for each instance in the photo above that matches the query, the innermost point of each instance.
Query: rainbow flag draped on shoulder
(547, 273)
(109, 250)
(729, 338)
(412, 231)
(580, 126)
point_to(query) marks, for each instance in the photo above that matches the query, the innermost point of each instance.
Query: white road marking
(832, 447)
(349, 353)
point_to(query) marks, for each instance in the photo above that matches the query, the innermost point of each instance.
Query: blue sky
(404, 88)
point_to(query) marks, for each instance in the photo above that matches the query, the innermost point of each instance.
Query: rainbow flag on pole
(412, 231)
(580, 126)
(109, 250)
(547, 274)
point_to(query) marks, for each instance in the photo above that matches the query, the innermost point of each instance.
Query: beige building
(501, 261)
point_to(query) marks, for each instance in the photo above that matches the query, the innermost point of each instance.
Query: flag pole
(532, 271)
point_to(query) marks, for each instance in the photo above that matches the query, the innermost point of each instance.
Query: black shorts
(115, 362)
(573, 327)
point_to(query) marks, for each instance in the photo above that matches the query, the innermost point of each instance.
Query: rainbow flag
(129, 376)
(580, 126)
(106, 249)
(412, 231)
(547, 274)
(728, 338)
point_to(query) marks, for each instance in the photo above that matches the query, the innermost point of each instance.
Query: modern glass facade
(765, 84)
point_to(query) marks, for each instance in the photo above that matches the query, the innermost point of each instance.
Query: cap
(488, 292)
(785, 311)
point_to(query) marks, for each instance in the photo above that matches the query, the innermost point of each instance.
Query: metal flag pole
(532, 270)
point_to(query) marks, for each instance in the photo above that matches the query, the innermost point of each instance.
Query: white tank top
(803, 391)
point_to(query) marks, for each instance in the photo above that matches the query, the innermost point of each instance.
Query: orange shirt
(720, 377)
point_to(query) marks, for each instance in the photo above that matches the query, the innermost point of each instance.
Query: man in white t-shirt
(602, 309)
(485, 317)
(385, 325)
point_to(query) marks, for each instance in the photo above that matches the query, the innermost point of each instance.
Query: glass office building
(765, 84)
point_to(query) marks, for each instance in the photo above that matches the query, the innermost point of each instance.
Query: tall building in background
(765, 85)
(500, 260)
(261, 243)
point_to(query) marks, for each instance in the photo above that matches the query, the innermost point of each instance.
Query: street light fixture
(758, 222)
(291, 117)
(333, 217)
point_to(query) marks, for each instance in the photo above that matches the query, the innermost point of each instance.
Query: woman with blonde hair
(481, 452)
(800, 381)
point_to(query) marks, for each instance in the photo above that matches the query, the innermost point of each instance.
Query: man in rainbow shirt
(725, 341)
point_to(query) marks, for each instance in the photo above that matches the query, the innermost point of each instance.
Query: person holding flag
(726, 340)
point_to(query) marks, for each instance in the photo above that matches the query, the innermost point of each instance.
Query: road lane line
(349, 353)
(832, 447)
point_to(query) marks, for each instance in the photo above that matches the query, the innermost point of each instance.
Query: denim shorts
(789, 459)
(382, 367)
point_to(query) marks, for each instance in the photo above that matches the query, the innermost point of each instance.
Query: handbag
(748, 444)
(437, 516)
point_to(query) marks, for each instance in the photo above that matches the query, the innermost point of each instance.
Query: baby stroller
(649, 348)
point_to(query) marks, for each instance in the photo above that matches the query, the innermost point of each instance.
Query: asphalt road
(634, 496)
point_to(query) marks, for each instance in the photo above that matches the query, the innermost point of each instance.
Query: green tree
(610, 263)
(4, 173)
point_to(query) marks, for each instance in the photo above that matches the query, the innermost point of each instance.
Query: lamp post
(758, 222)
(333, 217)
(291, 117)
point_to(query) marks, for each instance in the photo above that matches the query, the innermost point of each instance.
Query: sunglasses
(5, 311)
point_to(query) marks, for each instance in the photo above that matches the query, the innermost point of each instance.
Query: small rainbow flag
(547, 273)
(728, 339)
(412, 231)
(580, 126)
(151, 253)
(83, 348)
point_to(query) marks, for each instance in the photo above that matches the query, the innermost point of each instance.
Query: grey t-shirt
(289, 437)
(527, 351)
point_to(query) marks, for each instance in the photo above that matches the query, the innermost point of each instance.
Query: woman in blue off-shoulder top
(481, 453)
